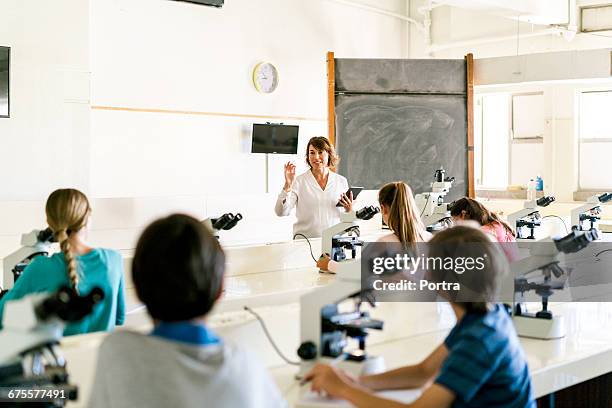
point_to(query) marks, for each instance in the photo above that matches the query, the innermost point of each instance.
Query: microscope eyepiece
(68, 305)
(45, 235)
(576, 240)
(226, 221)
(545, 201)
(439, 175)
(605, 197)
(367, 213)
(233, 222)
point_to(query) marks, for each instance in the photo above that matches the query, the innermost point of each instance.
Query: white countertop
(585, 352)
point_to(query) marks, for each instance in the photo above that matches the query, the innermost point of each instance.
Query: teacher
(316, 192)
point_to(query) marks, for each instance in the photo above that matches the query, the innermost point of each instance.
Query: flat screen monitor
(4, 81)
(273, 138)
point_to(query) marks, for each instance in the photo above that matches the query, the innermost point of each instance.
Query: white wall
(45, 142)
(159, 54)
(175, 56)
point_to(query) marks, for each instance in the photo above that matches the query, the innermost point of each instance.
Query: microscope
(434, 211)
(30, 358)
(225, 222)
(331, 316)
(541, 272)
(34, 243)
(345, 235)
(590, 211)
(527, 219)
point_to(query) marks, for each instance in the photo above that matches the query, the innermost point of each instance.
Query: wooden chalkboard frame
(469, 61)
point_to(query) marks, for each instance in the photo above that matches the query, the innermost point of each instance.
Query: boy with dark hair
(178, 270)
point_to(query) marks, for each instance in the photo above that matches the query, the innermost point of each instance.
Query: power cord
(310, 246)
(267, 333)
(425, 206)
(601, 252)
(562, 220)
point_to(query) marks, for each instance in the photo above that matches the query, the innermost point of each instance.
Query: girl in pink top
(469, 209)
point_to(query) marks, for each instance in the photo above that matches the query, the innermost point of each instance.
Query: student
(481, 362)
(78, 265)
(469, 209)
(399, 212)
(178, 271)
(316, 192)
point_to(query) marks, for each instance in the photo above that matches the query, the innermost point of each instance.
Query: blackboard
(402, 120)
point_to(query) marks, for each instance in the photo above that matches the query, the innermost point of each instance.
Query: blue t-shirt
(100, 267)
(486, 366)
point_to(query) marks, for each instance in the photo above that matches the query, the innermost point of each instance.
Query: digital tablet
(354, 190)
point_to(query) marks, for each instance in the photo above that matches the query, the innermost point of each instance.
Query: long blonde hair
(404, 218)
(67, 213)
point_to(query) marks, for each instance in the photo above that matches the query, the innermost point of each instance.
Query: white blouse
(315, 208)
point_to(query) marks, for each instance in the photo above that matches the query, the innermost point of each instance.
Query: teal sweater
(100, 267)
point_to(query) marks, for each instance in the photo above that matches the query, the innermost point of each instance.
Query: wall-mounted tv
(214, 3)
(5, 63)
(274, 138)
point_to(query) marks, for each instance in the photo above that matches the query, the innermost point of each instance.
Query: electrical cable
(310, 246)
(425, 206)
(601, 252)
(562, 220)
(267, 333)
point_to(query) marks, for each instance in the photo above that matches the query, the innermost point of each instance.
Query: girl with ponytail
(400, 213)
(77, 265)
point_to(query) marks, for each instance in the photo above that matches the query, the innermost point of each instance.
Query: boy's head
(471, 259)
(178, 269)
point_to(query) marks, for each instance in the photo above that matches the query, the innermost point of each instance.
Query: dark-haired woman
(315, 193)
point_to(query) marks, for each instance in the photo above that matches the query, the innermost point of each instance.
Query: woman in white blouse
(316, 192)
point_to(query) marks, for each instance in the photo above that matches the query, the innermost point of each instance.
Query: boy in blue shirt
(480, 363)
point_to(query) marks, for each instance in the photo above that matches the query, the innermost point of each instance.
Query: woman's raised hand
(289, 176)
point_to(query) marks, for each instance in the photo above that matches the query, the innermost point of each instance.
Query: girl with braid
(78, 265)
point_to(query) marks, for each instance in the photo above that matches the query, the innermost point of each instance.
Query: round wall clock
(265, 77)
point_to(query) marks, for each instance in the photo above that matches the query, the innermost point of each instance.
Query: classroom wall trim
(199, 113)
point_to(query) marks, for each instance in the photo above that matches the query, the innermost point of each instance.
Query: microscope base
(538, 328)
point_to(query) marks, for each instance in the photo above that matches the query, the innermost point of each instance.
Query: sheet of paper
(313, 400)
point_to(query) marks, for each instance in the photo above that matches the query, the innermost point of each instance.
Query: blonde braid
(67, 213)
(66, 247)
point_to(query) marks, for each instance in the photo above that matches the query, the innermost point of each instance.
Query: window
(491, 142)
(595, 136)
(528, 127)
(508, 133)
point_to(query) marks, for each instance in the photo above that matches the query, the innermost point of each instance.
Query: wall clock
(265, 77)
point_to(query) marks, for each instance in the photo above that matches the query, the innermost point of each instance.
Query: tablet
(354, 190)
